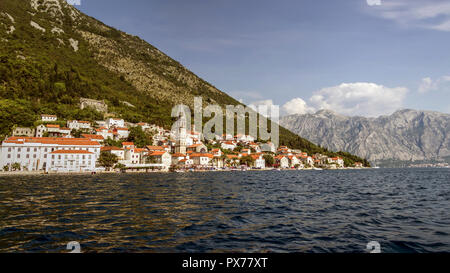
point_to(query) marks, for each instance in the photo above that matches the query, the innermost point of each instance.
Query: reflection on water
(406, 210)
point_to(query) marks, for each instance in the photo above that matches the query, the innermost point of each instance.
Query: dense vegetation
(39, 74)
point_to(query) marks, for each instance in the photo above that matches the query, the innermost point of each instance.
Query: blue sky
(357, 57)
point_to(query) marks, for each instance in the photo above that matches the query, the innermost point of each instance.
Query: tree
(119, 166)
(16, 167)
(107, 159)
(113, 143)
(6, 168)
(76, 133)
(139, 137)
(269, 160)
(247, 160)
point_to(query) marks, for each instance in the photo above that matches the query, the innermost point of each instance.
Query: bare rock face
(406, 135)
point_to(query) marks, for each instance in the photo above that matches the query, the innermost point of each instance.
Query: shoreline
(41, 173)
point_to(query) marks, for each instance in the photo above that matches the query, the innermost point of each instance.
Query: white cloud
(268, 103)
(431, 14)
(364, 99)
(297, 106)
(429, 84)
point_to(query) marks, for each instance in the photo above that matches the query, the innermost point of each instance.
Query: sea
(309, 211)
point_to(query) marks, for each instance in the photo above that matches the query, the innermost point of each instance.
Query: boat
(317, 169)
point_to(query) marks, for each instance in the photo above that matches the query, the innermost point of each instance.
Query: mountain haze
(406, 135)
(51, 55)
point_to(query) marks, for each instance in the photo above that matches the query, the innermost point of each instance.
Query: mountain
(405, 136)
(51, 55)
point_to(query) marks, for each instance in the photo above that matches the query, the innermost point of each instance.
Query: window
(28, 156)
(19, 149)
(34, 156)
(18, 156)
(45, 156)
(9, 149)
(35, 149)
(9, 155)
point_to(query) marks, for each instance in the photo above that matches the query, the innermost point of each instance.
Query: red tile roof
(128, 143)
(99, 137)
(154, 148)
(110, 148)
(53, 140)
(201, 155)
(156, 153)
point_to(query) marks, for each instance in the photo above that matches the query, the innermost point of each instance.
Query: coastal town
(105, 146)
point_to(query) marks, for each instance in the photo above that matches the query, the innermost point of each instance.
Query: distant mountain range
(403, 138)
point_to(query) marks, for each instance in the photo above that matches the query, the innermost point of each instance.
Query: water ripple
(406, 210)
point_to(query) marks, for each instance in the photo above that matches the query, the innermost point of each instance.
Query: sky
(355, 57)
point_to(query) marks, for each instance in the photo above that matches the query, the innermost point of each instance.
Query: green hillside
(51, 55)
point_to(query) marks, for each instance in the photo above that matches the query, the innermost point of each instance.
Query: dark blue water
(405, 210)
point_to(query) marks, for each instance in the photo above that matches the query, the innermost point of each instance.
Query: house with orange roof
(97, 138)
(259, 161)
(282, 161)
(201, 159)
(197, 148)
(161, 158)
(228, 145)
(121, 133)
(336, 160)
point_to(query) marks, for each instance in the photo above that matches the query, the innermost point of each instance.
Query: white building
(119, 152)
(79, 125)
(105, 133)
(337, 160)
(49, 118)
(71, 161)
(121, 133)
(115, 122)
(23, 131)
(32, 153)
(260, 162)
(159, 157)
(228, 145)
(201, 159)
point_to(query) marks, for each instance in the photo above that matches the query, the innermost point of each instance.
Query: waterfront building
(71, 161)
(282, 161)
(119, 152)
(158, 157)
(260, 162)
(201, 159)
(32, 152)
